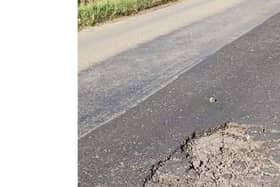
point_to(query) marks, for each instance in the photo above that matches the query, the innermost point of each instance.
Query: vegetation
(103, 10)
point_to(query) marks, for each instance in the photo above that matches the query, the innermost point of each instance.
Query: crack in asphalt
(229, 155)
(182, 148)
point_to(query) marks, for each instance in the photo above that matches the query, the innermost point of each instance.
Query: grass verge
(104, 10)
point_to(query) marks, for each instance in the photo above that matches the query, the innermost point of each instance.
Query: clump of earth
(226, 157)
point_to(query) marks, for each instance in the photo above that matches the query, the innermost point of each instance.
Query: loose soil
(226, 157)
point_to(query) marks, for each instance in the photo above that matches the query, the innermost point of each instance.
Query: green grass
(104, 10)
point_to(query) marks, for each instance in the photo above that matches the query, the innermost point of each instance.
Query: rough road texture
(110, 88)
(226, 157)
(243, 76)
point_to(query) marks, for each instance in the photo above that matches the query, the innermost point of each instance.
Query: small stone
(227, 176)
(212, 100)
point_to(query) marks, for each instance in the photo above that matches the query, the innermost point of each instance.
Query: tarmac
(243, 80)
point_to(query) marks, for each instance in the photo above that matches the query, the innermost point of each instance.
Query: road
(162, 89)
(111, 39)
(110, 87)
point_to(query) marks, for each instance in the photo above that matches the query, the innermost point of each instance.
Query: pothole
(227, 156)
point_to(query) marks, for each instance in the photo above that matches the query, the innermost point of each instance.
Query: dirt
(227, 156)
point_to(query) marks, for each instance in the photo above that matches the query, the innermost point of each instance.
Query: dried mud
(227, 156)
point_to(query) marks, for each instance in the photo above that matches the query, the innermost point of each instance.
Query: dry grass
(92, 12)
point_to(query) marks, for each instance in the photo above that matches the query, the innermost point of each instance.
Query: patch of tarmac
(230, 155)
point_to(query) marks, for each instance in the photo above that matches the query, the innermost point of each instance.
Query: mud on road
(226, 156)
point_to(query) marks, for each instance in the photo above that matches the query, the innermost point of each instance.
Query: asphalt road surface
(99, 43)
(244, 77)
(110, 87)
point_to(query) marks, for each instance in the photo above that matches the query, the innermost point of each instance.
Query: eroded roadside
(230, 155)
